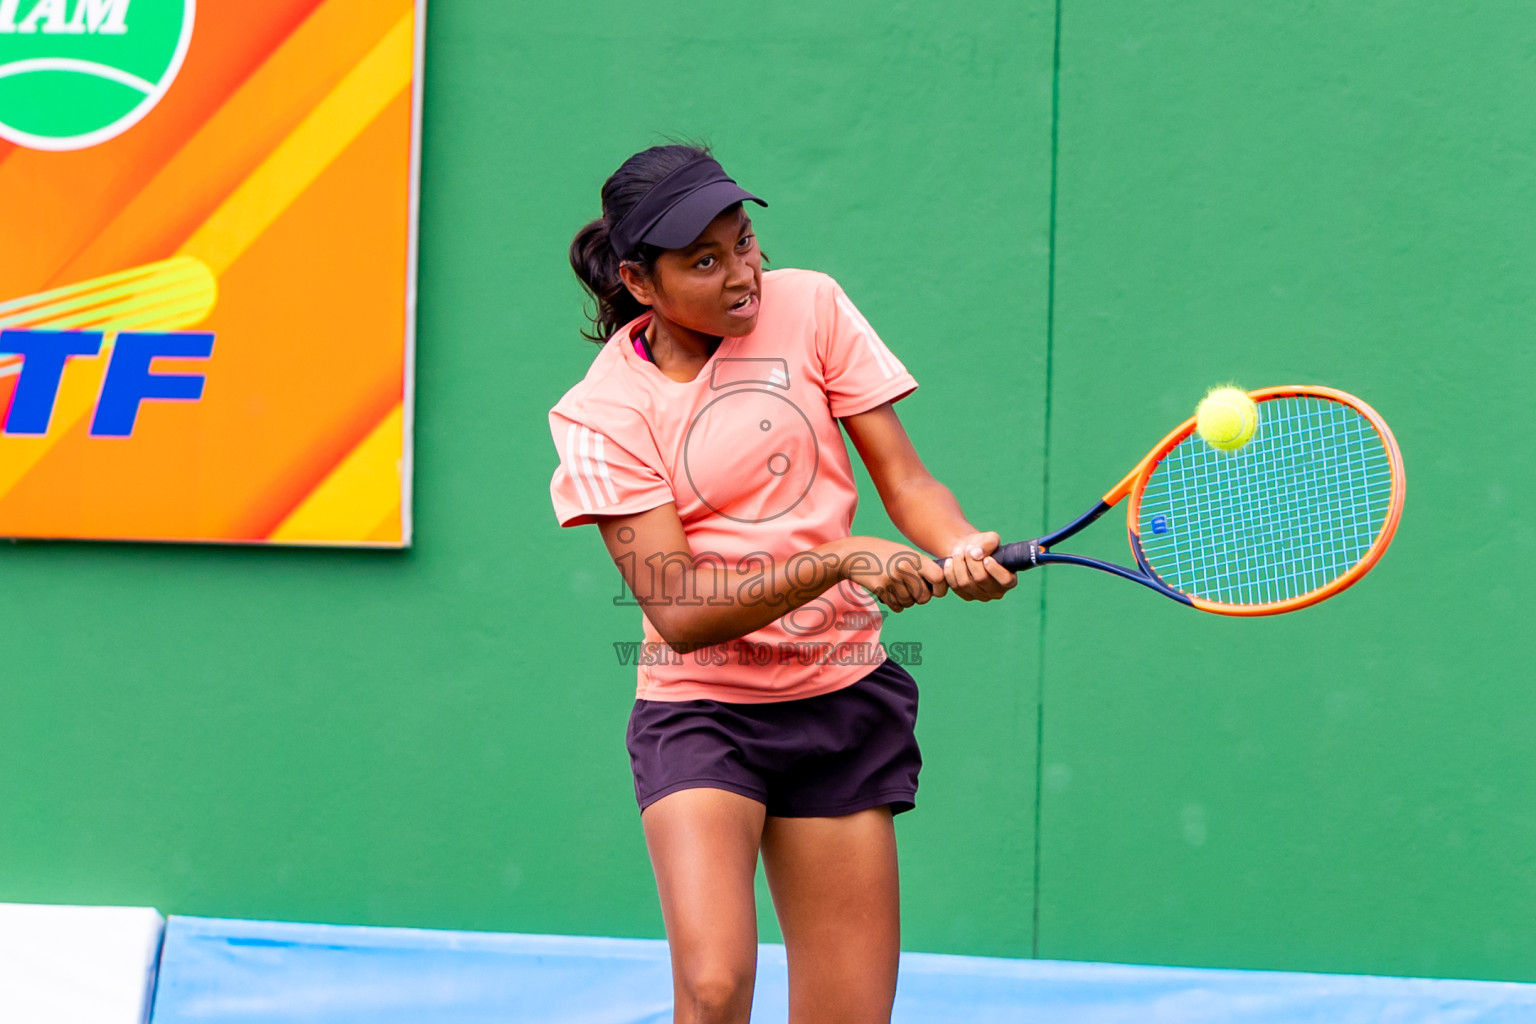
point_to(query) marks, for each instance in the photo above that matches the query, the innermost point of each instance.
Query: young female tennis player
(704, 444)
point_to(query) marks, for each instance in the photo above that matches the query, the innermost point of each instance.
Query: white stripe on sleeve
(573, 470)
(883, 356)
(602, 469)
(587, 470)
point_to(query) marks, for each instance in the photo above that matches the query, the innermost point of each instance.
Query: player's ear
(640, 284)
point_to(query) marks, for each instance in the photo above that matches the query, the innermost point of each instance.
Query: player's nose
(739, 273)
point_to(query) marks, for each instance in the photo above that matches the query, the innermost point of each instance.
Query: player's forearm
(701, 604)
(927, 514)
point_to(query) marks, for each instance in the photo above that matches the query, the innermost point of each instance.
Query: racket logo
(75, 73)
(1159, 524)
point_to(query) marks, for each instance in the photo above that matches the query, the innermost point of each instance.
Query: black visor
(678, 208)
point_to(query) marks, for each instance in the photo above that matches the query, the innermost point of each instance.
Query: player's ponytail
(592, 256)
(597, 266)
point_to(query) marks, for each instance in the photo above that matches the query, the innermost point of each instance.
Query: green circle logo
(75, 73)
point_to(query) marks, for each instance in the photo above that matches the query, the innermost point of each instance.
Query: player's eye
(705, 263)
(746, 241)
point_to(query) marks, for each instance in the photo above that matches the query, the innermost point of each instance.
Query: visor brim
(682, 224)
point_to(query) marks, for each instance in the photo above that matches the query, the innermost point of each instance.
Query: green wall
(1323, 192)
(1301, 192)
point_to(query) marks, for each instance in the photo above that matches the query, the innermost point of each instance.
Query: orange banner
(207, 265)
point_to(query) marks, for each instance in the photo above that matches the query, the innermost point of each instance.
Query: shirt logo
(75, 73)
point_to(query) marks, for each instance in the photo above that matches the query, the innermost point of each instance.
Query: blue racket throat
(1020, 556)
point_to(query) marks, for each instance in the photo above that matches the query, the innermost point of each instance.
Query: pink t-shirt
(751, 454)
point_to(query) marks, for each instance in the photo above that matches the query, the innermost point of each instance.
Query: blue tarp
(275, 973)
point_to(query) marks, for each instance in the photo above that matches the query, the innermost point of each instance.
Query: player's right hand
(898, 576)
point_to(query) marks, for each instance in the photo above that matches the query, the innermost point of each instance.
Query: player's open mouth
(745, 306)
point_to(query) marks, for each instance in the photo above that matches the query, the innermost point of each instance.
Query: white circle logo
(75, 73)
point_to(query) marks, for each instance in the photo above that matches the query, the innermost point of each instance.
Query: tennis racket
(1296, 515)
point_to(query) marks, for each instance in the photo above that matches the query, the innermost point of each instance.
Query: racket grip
(1018, 556)
(1015, 557)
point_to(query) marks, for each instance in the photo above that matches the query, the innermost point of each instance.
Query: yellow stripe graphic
(359, 494)
(167, 295)
(315, 143)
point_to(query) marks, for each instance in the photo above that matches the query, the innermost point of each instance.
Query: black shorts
(820, 757)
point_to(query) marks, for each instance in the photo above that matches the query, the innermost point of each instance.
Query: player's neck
(678, 352)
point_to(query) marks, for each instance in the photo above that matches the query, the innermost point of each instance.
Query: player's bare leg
(703, 845)
(835, 888)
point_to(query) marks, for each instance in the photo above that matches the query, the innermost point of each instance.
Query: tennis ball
(1227, 419)
(75, 73)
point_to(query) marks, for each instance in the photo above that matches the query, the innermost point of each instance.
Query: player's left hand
(973, 574)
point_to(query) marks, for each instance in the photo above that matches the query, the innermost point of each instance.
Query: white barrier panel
(77, 965)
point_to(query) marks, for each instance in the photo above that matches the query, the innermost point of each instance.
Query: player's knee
(719, 995)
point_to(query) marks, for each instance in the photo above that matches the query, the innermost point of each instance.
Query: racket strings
(1286, 515)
